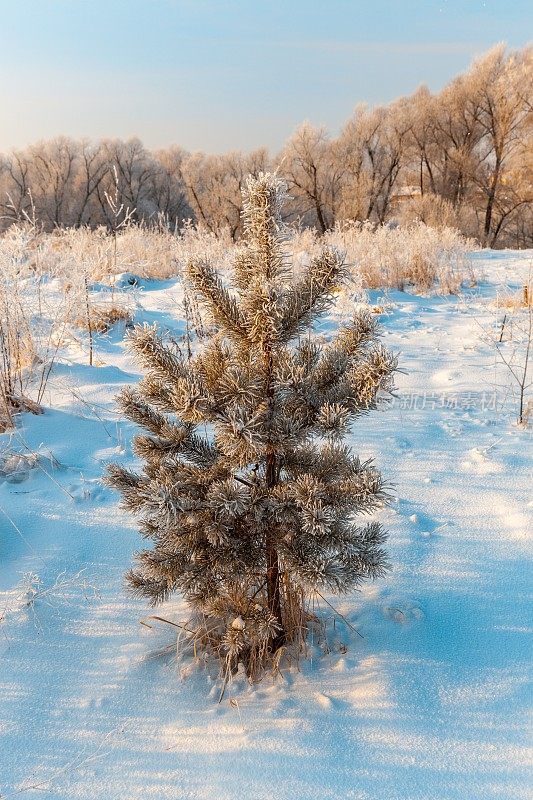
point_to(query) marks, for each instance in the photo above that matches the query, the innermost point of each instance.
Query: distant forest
(461, 158)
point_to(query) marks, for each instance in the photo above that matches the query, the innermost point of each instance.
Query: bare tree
(52, 172)
(505, 115)
(15, 199)
(421, 145)
(134, 168)
(313, 176)
(214, 186)
(167, 186)
(371, 147)
(93, 167)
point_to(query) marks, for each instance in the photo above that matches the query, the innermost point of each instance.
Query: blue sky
(222, 74)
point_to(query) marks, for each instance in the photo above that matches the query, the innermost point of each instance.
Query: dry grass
(150, 253)
(235, 633)
(48, 280)
(514, 301)
(416, 256)
(102, 318)
(384, 256)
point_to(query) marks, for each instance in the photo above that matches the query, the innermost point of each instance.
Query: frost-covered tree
(214, 185)
(370, 152)
(248, 491)
(313, 176)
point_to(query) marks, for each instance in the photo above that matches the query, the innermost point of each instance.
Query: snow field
(432, 704)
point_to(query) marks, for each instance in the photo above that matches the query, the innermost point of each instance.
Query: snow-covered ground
(429, 703)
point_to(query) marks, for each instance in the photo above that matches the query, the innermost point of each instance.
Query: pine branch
(154, 356)
(222, 307)
(312, 296)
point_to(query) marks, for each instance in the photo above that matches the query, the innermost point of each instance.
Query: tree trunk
(320, 216)
(490, 202)
(272, 560)
(318, 206)
(488, 218)
(272, 576)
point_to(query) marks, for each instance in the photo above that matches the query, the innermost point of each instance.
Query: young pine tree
(248, 492)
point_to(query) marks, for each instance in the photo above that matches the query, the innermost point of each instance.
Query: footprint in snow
(452, 428)
(403, 613)
(400, 444)
(88, 491)
(426, 526)
(478, 462)
(284, 707)
(324, 701)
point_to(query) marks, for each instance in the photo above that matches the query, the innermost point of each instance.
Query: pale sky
(217, 75)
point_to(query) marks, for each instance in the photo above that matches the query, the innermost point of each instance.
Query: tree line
(461, 157)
